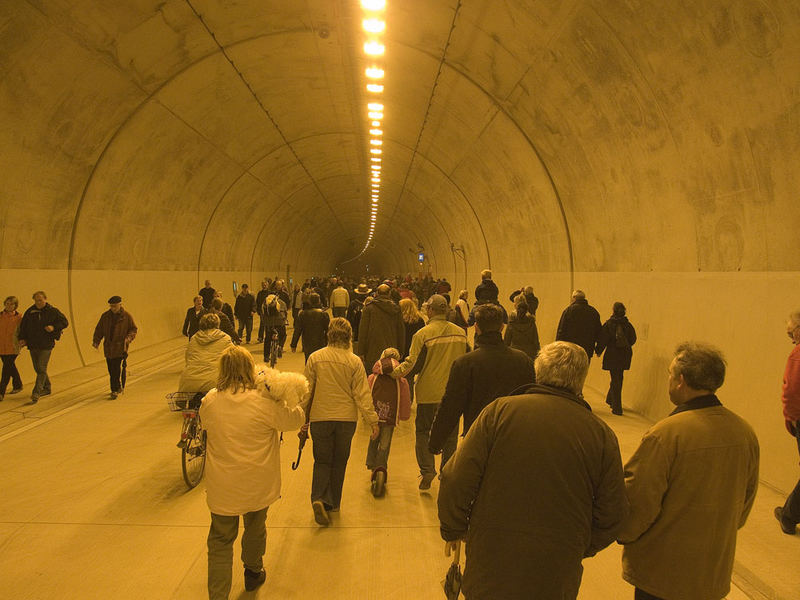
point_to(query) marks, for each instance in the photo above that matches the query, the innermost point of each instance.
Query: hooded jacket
(381, 327)
(243, 471)
(390, 397)
(202, 360)
(522, 334)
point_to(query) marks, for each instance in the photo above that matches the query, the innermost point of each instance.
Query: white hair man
(539, 467)
(690, 484)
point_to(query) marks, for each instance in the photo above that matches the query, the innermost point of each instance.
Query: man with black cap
(116, 329)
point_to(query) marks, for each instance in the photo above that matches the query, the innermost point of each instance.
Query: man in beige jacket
(690, 485)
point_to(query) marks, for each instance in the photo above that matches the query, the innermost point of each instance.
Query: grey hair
(579, 295)
(794, 317)
(702, 365)
(562, 365)
(339, 333)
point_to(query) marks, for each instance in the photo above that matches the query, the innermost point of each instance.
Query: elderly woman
(202, 356)
(339, 391)
(521, 333)
(9, 345)
(243, 419)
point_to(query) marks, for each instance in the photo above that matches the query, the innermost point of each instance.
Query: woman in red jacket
(9, 346)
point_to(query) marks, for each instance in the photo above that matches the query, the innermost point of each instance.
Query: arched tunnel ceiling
(233, 135)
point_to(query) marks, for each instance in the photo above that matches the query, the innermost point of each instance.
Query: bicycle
(193, 436)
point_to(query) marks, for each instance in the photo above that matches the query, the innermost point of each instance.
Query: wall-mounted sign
(421, 257)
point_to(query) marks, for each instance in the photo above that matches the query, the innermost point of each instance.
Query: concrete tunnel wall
(642, 151)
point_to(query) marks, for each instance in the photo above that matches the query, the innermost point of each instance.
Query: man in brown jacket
(535, 487)
(690, 484)
(117, 330)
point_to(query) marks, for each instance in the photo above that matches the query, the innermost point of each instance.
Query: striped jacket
(435, 347)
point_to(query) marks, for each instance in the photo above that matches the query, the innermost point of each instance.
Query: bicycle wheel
(273, 352)
(193, 457)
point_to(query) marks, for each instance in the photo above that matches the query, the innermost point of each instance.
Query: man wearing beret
(117, 330)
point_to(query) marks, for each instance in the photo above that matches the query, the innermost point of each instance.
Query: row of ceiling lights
(374, 26)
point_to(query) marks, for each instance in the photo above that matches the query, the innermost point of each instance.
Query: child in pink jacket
(392, 401)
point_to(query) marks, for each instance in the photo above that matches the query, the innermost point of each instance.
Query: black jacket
(476, 379)
(530, 299)
(208, 295)
(245, 306)
(192, 321)
(381, 327)
(312, 324)
(31, 328)
(617, 357)
(580, 324)
(486, 292)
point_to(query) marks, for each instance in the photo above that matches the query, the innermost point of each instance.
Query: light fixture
(376, 123)
(376, 143)
(375, 88)
(376, 115)
(374, 73)
(375, 106)
(373, 4)
(374, 48)
(373, 25)
(375, 151)
(375, 159)
(376, 131)
(376, 167)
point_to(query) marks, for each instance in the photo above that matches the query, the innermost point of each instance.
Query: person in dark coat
(225, 324)
(192, 321)
(478, 377)
(207, 293)
(226, 309)
(260, 298)
(40, 327)
(355, 309)
(381, 327)
(580, 324)
(487, 290)
(116, 330)
(616, 338)
(245, 308)
(521, 333)
(312, 323)
(535, 487)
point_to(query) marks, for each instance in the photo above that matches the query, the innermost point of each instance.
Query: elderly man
(478, 377)
(381, 327)
(40, 327)
(116, 330)
(788, 515)
(580, 323)
(690, 484)
(535, 487)
(244, 309)
(207, 294)
(435, 347)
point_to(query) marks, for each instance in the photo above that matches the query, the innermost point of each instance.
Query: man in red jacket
(789, 514)
(117, 328)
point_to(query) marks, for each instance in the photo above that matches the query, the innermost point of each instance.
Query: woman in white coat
(243, 417)
(202, 356)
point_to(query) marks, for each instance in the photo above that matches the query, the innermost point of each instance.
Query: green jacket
(435, 347)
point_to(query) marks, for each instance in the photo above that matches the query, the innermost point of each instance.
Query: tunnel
(642, 151)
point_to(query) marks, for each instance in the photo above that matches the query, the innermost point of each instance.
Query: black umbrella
(303, 436)
(452, 581)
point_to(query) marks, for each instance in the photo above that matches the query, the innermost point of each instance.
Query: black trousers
(614, 395)
(10, 373)
(791, 510)
(268, 338)
(248, 324)
(116, 372)
(642, 595)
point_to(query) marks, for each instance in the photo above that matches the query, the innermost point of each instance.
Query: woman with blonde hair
(339, 392)
(414, 321)
(243, 417)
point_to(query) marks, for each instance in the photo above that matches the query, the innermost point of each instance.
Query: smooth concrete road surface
(94, 506)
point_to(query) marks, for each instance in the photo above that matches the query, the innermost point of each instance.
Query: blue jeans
(423, 422)
(331, 452)
(221, 535)
(378, 449)
(40, 358)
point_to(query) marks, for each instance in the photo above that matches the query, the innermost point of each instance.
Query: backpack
(620, 337)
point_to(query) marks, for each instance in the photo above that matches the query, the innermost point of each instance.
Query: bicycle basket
(178, 401)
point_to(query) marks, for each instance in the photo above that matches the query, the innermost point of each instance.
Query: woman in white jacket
(244, 416)
(202, 356)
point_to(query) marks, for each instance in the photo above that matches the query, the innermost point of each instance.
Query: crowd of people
(536, 473)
